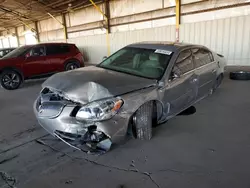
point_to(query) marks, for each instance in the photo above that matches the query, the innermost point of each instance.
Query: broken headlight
(99, 110)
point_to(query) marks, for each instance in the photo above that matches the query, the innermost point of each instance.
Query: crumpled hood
(92, 83)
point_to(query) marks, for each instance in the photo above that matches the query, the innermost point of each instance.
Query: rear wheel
(143, 120)
(10, 79)
(72, 66)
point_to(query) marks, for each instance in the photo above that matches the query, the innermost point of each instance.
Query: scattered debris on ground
(68, 182)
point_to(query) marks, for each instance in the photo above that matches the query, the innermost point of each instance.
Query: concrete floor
(208, 149)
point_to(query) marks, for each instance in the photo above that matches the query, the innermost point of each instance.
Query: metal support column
(178, 18)
(17, 37)
(107, 12)
(37, 32)
(9, 42)
(106, 23)
(65, 27)
(62, 23)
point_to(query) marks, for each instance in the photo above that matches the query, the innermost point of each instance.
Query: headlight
(99, 110)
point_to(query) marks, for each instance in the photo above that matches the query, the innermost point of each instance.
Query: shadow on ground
(190, 111)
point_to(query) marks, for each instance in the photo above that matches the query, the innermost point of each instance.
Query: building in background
(222, 25)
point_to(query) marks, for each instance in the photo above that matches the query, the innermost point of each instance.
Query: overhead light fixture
(69, 9)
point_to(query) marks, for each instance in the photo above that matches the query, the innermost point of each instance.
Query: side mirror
(105, 57)
(27, 55)
(161, 84)
(176, 75)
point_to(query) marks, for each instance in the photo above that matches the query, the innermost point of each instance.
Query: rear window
(202, 57)
(58, 49)
(184, 62)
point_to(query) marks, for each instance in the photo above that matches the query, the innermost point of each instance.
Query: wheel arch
(158, 112)
(156, 103)
(13, 68)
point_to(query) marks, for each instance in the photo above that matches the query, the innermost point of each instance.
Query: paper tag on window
(166, 52)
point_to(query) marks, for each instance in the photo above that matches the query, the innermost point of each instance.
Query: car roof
(55, 43)
(163, 45)
(7, 48)
(29, 45)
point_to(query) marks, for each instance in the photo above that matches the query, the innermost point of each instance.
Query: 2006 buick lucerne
(138, 86)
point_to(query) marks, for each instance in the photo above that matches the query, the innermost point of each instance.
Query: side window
(52, 49)
(37, 51)
(184, 62)
(1, 53)
(64, 49)
(202, 57)
(57, 49)
(5, 52)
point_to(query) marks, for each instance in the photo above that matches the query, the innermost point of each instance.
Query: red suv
(34, 61)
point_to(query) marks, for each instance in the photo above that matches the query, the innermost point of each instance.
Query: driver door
(36, 62)
(182, 85)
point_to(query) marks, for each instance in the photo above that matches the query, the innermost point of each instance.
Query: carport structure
(111, 24)
(207, 149)
(27, 14)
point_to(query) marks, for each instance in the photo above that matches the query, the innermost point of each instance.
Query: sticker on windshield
(166, 52)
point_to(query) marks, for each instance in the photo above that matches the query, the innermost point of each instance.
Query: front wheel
(143, 120)
(72, 66)
(10, 79)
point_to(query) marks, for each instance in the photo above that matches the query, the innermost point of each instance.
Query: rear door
(35, 62)
(206, 69)
(182, 89)
(57, 54)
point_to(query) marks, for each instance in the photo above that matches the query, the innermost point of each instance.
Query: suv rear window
(57, 49)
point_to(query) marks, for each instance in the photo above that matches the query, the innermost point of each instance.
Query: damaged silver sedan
(135, 88)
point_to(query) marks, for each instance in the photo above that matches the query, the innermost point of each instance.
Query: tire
(143, 120)
(72, 66)
(240, 75)
(10, 79)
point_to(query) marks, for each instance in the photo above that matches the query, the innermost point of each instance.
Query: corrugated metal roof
(14, 12)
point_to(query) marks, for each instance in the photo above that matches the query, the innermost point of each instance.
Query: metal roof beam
(13, 12)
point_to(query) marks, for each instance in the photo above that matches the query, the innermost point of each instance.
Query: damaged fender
(64, 94)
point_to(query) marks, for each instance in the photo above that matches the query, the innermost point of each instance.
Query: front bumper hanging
(92, 141)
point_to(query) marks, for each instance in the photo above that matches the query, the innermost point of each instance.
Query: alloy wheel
(72, 67)
(11, 80)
